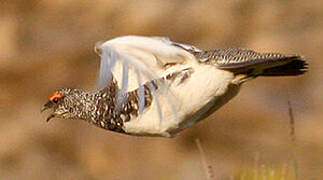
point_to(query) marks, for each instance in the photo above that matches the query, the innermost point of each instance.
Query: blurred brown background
(46, 45)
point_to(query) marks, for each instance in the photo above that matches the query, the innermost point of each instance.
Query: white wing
(134, 60)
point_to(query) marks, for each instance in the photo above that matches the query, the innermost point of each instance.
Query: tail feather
(296, 66)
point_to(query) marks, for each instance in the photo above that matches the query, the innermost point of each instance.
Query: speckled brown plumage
(100, 107)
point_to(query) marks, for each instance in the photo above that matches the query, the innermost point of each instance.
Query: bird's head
(63, 103)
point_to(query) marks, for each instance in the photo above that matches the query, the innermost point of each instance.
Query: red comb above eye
(55, 95)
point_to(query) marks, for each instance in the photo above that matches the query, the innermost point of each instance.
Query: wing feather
(142, 59)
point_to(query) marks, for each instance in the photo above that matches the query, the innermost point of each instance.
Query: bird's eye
(55, 97)
(55, 100)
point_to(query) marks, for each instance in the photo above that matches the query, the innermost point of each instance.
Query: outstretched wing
(134, 60)
(147, 55)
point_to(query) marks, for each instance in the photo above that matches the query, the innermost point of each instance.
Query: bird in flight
(152, 86)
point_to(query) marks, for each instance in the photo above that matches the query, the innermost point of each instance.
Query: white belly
(207, 89)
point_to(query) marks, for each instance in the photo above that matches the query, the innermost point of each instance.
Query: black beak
(48, 105)
(50, 117)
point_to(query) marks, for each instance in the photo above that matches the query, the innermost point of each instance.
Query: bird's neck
(101, 108)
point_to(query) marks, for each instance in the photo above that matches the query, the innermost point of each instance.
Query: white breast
(206, 90)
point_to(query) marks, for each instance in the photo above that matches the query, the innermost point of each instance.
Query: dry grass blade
(292, 137)
(208, 170)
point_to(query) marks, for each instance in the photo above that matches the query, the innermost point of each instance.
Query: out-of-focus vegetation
(46, 45)
(266, 173)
